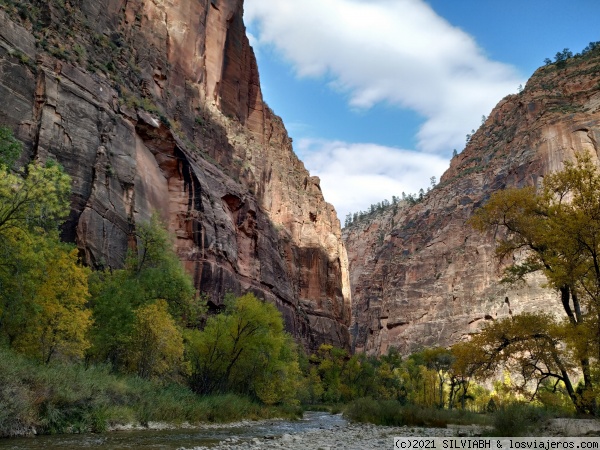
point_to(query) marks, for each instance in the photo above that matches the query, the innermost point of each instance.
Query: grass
(515, 419)
(393, 413)
(331, 408)
(63, 398)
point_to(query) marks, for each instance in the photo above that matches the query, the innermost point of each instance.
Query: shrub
(393, 413)
(518, 419)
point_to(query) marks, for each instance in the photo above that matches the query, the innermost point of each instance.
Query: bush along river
(316, 430)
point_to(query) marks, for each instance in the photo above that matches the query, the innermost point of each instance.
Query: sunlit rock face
(420, 275)
(156, 105)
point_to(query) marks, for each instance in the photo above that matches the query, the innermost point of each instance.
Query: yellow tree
(38, 198)
(440, 360)
(529, 345)
(465, 364)
(43, 290)
(58, 323)
(32, 205)
(559, 227)
(156, 345)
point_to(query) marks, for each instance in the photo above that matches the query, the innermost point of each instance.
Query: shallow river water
(174, 439)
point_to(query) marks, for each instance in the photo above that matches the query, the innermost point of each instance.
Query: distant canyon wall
(420, 275)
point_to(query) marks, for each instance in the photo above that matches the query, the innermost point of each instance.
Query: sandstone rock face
(156, 106)
(420, 275)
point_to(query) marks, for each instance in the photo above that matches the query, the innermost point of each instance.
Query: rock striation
(156, 105)
(420, 275)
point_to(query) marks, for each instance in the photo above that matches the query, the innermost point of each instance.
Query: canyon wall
(156, 106)
(420, 275)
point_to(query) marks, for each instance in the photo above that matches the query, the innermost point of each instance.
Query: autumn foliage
(147, 321)
(43, 289)
(558, 228)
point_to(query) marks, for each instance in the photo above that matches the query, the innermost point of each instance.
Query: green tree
(348, 220)
(114, 300)
(559, 229)
(155, 268)
(563, 56)
(282, 379)
(152, 272)
(10, 148)
(245, 350)
(311, 390)
(387, 382)
(357, 375)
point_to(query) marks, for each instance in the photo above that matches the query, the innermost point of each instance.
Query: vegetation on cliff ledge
(376, 208)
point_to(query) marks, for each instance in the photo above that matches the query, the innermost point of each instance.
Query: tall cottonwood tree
(440, 360)
(56, 320)
(244, 349)
(43, 288)
(152, 272)
(558, 226)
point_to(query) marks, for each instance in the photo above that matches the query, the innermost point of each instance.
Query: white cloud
(253, 41)
(353, 176)
(398, 52)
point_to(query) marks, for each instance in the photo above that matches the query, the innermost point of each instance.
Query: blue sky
(376, 94)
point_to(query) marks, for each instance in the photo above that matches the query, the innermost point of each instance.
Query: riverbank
(57, 398)
(355, 436)
(163, 436)
(316, 430)
(343, 436)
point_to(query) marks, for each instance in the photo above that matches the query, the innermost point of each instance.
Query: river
(174, 439)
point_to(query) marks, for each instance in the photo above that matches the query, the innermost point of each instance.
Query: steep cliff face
(420, 275)
(156, 106)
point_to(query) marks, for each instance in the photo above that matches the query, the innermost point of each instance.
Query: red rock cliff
(156, 106)
(420, 275)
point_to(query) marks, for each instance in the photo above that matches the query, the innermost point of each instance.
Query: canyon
(421, 276)
(156, 107)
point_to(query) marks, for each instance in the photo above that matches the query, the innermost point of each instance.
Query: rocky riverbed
(349, 436)
(316, 430)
